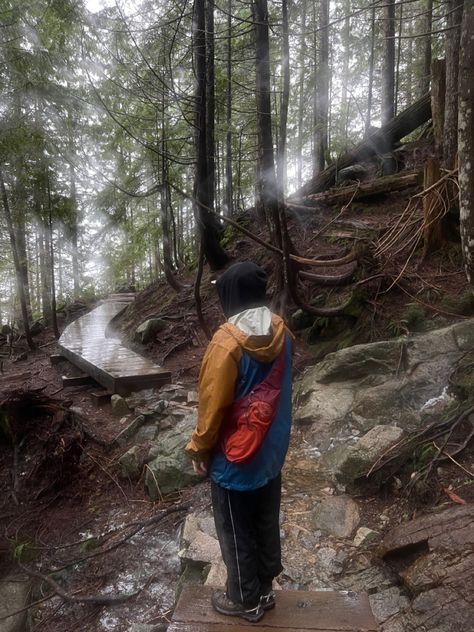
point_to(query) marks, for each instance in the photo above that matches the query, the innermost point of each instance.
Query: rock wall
(398, 384)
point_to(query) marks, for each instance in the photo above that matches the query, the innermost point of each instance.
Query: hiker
(241, 438)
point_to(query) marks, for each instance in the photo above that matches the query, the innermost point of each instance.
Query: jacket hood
(242, 286)
(263, 348)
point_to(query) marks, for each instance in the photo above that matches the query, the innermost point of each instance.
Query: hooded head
(243, 286)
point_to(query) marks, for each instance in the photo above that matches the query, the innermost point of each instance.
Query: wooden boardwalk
(296, 611)
(112, 365)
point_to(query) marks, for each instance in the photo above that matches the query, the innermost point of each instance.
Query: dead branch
(100, 600)
(25, 608)
(461, 467)
(138, 527)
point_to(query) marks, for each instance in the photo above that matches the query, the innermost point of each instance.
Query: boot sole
(252, 618)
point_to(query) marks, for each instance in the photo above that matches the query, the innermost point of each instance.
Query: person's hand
(200, 467)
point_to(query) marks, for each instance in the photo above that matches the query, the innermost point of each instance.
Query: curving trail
(112, 365)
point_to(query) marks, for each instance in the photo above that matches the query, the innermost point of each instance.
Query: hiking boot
(267, 601)
(221, 602)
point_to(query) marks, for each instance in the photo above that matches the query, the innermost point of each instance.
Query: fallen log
(379, 142)
(362, 190)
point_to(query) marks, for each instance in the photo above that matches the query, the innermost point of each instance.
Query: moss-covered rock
(146, 332)
(169, 468)
(350, 463)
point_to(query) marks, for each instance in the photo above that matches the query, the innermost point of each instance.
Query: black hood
(241, 287)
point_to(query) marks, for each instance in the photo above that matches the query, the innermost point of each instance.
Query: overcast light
(96, 5)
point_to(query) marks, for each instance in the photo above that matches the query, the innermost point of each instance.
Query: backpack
(251, 416)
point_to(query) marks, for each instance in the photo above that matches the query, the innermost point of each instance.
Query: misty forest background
(127, 130)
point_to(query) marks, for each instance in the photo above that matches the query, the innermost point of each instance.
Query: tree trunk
(346, 30)
(438, 95)
(17, 262)
(208, 225)
(466, 140)
(45, 271)
(375, 143)
(59, 251)
(455, 10)
(267, 186)
(388, 74)
(210, 102)
(165, 227)
(322, 91)
(399, 53)
(229, 205)
(409, 70)
(302, 91)
(54, 318)
(267, 189)
(285, 97)
(427, 45)
(74, 233)
(371, 72)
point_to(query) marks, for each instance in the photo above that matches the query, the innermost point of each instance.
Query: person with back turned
(241, 438)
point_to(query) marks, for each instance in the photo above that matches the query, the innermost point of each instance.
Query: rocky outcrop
(357, 403)
(434, 556)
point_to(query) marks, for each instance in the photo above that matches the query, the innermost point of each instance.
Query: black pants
(247, 525)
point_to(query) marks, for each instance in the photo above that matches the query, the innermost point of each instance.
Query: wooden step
(296, 611)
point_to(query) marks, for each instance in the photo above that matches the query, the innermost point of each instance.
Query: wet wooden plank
(108, 362)
(237, 625)
(296, 611)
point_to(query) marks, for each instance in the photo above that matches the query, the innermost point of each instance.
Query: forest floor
(38, 518)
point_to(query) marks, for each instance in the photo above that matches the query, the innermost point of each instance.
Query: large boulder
(351, 462)
(169, 468)
(382, 383)
(338, 515)
(146, 331)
